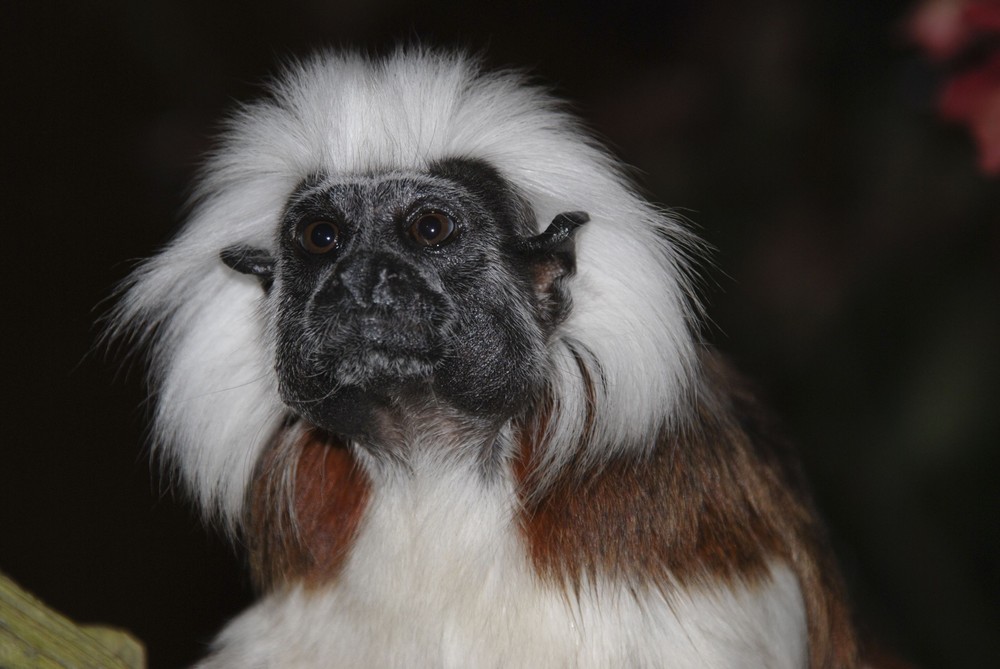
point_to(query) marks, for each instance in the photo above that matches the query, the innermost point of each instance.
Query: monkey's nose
(366, 281)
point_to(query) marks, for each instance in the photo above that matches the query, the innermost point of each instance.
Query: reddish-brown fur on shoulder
(715, 502)
(308, 499)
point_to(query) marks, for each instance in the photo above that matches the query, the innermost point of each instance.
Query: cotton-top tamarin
(423, 349)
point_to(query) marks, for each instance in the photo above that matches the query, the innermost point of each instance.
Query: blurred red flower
(966, 35)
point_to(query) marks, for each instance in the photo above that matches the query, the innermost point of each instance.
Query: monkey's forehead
(453, 179)
(374, 182)
(364, 197)
(464, 170)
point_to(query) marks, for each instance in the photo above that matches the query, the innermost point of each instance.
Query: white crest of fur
(344, 114)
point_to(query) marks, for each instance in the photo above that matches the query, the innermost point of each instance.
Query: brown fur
(308, 499)
(715, 502)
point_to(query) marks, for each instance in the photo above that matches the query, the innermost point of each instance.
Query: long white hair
(625, 356)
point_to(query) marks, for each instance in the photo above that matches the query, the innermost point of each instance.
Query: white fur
(439, 578)
(439, 575)
(217, 407)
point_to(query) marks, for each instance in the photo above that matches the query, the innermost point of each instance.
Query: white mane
(217, 400)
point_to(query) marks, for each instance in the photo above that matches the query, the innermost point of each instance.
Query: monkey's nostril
(348, 285)
(365, 282)
(388, 287)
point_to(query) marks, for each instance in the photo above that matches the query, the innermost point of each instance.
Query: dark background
(856, 272)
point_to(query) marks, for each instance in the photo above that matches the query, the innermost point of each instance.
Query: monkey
(424, 350)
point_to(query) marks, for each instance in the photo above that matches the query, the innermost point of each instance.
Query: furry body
(498, 447)
(438, 577)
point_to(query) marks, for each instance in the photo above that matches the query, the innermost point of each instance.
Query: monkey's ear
(552, 252)
(557, 238)
(248, 260)
(551, 256)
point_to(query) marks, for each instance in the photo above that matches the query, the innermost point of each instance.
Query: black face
(409, 288)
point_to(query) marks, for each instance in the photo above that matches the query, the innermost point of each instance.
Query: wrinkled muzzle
(375, 327)
(376, 306)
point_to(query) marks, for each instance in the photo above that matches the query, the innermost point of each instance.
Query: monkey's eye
(432, 229)
(319, 237)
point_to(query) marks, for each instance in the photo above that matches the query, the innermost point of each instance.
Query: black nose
(371, 280)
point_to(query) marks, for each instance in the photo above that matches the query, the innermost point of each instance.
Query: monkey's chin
(348, 412)
(345, 398)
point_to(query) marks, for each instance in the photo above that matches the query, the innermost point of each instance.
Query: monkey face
(410, 288)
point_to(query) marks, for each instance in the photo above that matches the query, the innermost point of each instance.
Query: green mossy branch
(33, 636)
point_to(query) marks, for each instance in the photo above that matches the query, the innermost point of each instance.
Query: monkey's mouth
(376, 349)
(382, 357)
(336, 376)
(389, 332)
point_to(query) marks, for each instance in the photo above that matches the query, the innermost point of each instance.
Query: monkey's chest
(439, 576)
